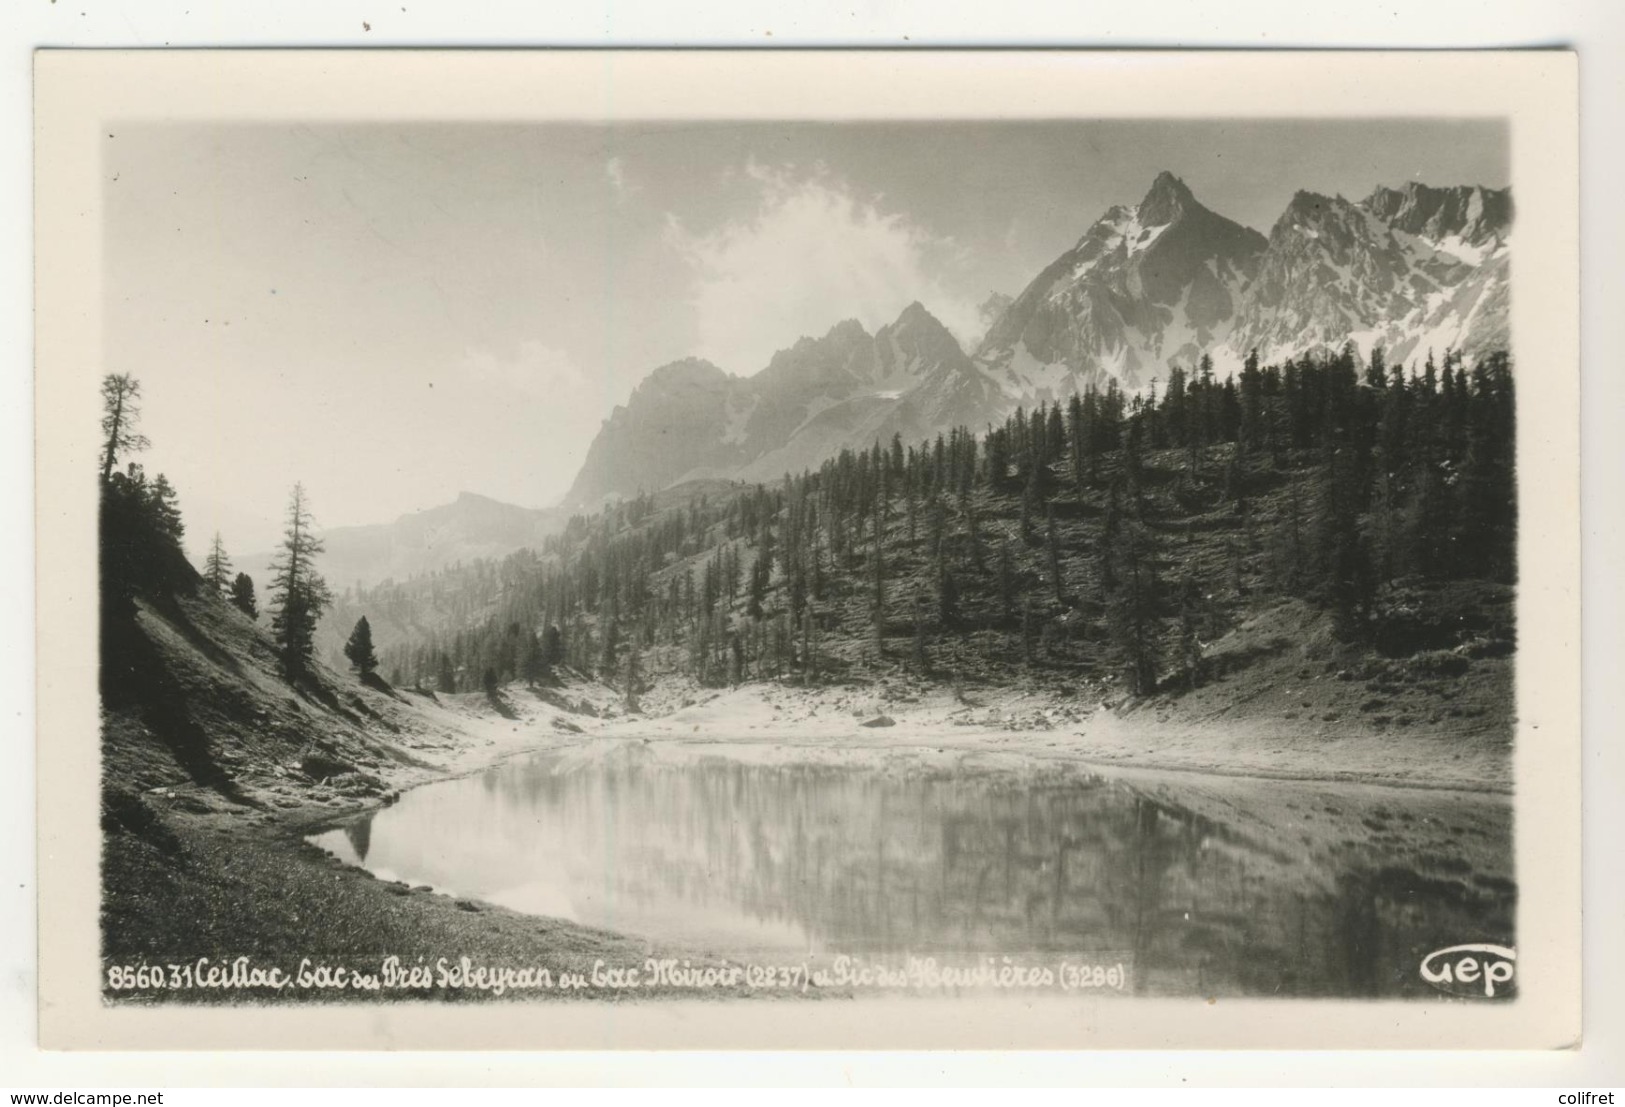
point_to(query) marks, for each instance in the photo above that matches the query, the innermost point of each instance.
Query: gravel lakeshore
(201, 878)
(192, 871)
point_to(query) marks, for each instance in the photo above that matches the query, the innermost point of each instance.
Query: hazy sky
(396, 313)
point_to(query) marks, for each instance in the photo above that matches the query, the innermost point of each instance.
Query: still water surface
(741, 859)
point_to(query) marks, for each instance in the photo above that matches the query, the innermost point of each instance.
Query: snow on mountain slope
(1145, 288)
(1409, 268)
(1162, 283)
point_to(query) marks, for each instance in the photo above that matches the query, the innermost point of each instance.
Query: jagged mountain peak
(846, 388)
(913, 323)
(1145, 287)
(683, 371)
(1167, 199)
(843, 334)
(914, 315)
(1407, 267)
(847, 330)
(1311, 206)
(1472, 214)
(916, 344)
(1430, 197)
(1331, 220)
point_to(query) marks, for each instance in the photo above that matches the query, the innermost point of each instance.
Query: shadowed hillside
(1318, 519)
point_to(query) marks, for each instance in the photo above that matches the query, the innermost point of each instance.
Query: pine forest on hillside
(1110, 537)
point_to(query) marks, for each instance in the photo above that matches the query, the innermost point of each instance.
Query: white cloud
(536, 403)
(536, 369)
(575, 400)
(812, 254)
(615, 173)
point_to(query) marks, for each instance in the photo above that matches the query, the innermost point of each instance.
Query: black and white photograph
(780, 563)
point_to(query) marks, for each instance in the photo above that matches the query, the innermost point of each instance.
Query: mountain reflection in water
(739, 859)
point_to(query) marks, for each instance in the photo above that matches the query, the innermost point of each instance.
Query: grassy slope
(205, 805)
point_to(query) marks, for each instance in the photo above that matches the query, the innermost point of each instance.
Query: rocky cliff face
(846, 389)
(1144, 288)
(685, 416)
(1467, 215)
(1409, 268)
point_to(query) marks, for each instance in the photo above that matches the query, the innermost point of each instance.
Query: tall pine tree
(299, 595)
(217, 567)
(242, 595)
(359, 648)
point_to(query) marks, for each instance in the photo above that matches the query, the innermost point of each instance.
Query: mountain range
(1146, 288)
(690, 420)
(471, 527)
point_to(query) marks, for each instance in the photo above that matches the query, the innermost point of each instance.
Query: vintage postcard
(771, 549)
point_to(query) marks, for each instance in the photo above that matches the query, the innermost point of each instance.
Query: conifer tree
(242, 595)
(798, 592)
(973, 531)
(1076, 437)
(299, 595)
(530, 658)
(1007, 583)
(809, 655)
(1252, 404)
(920, 658)
(1131, 611)
(1376, 371)
(610, 649)
(552, 649)
(121, 406)
(634, 677)
(879, 599)
(359, 648)
(1030, 498)
(948, 600)
(1131, 467)
(1028, 632)
(1190, 644)
(1053, 549)
(1110, 529)
(166, 512)
(759, 571)
(217, 567)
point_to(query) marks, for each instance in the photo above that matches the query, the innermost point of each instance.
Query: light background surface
(83, 96)
(1494, 24)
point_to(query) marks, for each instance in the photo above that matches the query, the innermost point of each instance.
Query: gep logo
(1470, 970)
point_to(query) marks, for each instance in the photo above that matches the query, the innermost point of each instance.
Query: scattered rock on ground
(321, 766)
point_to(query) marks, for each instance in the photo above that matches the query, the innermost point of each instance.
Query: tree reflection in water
(737, 858)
